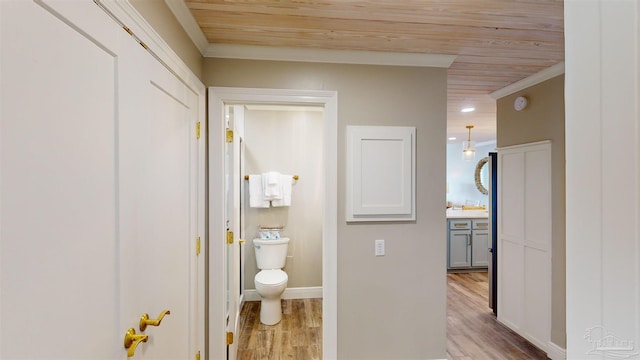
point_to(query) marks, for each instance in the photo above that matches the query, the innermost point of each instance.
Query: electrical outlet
(379, 246)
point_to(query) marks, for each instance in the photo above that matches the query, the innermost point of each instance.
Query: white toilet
(271, 281)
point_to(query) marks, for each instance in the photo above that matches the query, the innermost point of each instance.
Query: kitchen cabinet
(467, 243)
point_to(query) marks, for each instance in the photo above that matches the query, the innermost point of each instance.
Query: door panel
(480, 248)
(158, 222)
(59, 259)
(459, 254)
(233, 179)
(97, 189)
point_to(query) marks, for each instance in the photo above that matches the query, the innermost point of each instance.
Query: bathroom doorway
(291, 132)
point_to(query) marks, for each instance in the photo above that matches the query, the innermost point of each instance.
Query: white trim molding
(252, 52)
(555, 352)
(123, 12)
(546, 74)
(182, 13)
(313, 292)
(218, 96)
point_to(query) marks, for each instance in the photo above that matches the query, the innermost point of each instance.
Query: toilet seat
(271, 277)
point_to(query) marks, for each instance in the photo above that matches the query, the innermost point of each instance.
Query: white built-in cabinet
(467, 243)
(524, 240)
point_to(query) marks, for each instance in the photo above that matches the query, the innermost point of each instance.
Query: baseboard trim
(289, 293)
(555, 352)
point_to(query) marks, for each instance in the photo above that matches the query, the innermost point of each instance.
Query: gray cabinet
(467, 243)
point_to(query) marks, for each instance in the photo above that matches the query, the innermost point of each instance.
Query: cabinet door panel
(459, 248)
(480, 248)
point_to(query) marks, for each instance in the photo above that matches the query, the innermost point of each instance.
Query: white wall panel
(603, 177)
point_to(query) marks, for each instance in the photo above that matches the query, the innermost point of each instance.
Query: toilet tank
(271, 254)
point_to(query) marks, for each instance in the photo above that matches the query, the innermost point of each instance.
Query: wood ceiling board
(497, 42)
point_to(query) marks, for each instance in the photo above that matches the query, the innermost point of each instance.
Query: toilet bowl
(271, 281)
(270, 284)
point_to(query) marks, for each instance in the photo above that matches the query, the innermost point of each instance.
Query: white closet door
(158, 219)
(524, 240)
(98, 188)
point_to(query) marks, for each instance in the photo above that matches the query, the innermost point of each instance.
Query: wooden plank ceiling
(497, 42)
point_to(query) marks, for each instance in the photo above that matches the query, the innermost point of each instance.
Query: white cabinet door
(98, 189)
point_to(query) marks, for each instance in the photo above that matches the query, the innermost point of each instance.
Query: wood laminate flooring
(473, 333)
(297, 336)
(472, 330)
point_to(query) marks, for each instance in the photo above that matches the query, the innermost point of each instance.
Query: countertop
(467, 214)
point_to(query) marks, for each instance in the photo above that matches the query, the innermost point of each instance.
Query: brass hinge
(229, 135)
(198, 355)
(198, 246)
(229, 338)
(229, 237)
(127, 30)
(198, 130)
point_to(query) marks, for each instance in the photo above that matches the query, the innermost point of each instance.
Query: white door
(232, 206)
(98, 189)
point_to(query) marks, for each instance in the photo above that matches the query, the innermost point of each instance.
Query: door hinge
(198, 130)
(198, 246)
(229, 135)
(127, 30)
(229, 237)
(229, 338)
(198, 355)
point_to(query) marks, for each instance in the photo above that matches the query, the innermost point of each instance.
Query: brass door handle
(131, 341)
(242, 241)
(145, 321)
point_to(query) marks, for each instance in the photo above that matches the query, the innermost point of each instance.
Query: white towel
(271, 186)
(256, 199)
(286, 181)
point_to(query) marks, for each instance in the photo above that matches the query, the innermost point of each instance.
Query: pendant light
(468, 150)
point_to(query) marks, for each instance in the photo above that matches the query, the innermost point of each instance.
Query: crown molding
(253, 52)
(189, 24)
(546, 74)
(125, 14)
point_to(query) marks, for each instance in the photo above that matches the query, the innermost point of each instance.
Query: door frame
(218, 96)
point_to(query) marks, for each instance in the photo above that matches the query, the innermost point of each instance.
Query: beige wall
(289, 142)
(543, 119)
(158, 15)
(391, 307)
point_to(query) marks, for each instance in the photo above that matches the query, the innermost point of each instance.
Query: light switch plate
(379, 244)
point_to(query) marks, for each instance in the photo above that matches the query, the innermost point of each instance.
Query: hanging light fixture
(468, 150)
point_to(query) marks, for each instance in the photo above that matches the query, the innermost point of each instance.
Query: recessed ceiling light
(452, 138)
(468, 109)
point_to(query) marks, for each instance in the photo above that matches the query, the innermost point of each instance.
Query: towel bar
(295, 177)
